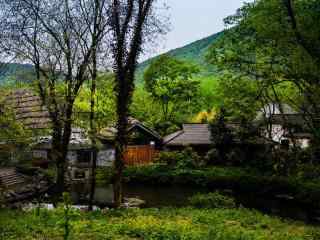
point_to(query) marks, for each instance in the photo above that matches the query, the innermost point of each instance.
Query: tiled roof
(28, 108)
(191, 134)
(109, 133)
(283, 119)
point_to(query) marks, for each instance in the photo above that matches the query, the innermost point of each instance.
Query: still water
(177, 196)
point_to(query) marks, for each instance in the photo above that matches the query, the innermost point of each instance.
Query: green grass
(151, 224)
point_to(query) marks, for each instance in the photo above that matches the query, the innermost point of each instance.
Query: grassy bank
(169, 223)
(243, 180)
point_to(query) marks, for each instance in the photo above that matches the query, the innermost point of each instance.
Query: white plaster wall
(72, 157)
(303, 143)
(43, 154)
(106, 158)
(277, 133)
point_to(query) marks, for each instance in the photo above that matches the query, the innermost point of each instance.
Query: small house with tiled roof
(138, 134)
(143, 142)
(198, 137)
(280, 123)
(33, 114)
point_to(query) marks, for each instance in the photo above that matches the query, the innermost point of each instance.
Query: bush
(308, 172)
(104, 175)
(212, 157)
(305, 155)
(236, 157)
(212, 200)
(180, 159)
(168, 158)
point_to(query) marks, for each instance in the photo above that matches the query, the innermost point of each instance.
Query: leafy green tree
(238, 95)
(170, 83)
(276, 43)
(104, 102)
(132, 23)
(59, 38)
(221, 136)
(15, 138)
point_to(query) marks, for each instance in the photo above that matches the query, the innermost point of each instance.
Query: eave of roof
(191, 135)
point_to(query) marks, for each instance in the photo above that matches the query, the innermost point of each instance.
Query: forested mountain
(15, 72)
(194, 52)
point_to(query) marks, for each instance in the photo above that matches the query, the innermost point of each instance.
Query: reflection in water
(80, 193)
(153, 195)
(160, 196)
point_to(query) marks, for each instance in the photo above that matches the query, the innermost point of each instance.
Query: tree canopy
(170, 83)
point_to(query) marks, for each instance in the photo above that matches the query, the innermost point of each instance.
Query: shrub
(104, 175)
(185, 159)
(305, 155)
(308, 172)
(168, 158)
(212, 200)
(190, 159)
(212, 157)
(235, 157)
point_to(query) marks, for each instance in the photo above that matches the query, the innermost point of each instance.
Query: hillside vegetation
(194, 52)
(15, 71)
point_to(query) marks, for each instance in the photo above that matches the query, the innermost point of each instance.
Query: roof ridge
(175, 136)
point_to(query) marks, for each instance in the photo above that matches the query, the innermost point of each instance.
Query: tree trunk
(120, 144)
(60, 145)
(93, 133)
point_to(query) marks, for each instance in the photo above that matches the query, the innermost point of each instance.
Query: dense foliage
(194, 52)
(170, 83)
(186, 159)
(276, 45)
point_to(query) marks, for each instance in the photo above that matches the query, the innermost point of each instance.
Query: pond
(177, 196)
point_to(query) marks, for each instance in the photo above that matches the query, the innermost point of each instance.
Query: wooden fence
(139, 155)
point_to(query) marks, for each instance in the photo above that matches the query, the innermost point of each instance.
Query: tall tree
(169, 80)
(59, 38)
(131, 22)
(276, 43)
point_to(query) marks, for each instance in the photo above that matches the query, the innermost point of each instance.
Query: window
(84, 156)
(79, 174)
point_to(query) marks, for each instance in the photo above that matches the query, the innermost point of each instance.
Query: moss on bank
(168, 223)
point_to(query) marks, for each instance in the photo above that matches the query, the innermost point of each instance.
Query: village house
(143, 142)
(277, 124)
(29, 110)
(281, 123)
(198, 137)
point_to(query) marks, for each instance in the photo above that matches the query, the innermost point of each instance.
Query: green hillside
(14, 71)
(193, 52)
